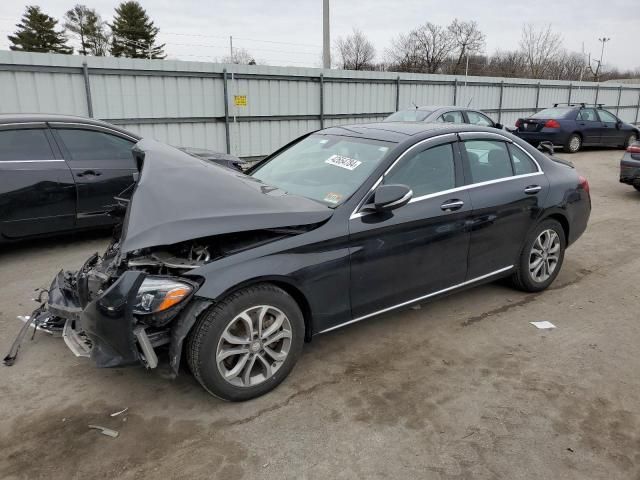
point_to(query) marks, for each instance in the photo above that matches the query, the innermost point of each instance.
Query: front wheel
(541, 257)
(631, 138)
(573, 143)
(247, 343)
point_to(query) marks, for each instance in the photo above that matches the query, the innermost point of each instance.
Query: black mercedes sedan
(234, 271)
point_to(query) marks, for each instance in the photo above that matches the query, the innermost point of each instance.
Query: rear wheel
(573, 143)
(541, 257)
(246, 344)
(631, 138)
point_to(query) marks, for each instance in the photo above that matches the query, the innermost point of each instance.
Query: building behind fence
(252, 110)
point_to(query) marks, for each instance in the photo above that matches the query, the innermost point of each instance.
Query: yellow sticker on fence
(240, 100)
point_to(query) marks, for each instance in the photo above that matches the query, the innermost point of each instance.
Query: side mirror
(390, 197)
(499, 126)
(619, 124)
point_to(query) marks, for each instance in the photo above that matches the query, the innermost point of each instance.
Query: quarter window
(476, 118)
(488, 160)
(25, 144)
(92, 145)
(607, 117)
(451, 117)
(522, 164)
(429, 171)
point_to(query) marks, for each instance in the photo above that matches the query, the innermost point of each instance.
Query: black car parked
(576, 125)
(446, 114)
(61, 173)
(338, 226)
(630, 166)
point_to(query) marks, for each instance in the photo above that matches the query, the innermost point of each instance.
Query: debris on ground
(543, 325)
(105, 431)
(115, 414)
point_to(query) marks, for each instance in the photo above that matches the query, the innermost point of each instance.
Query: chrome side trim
(28, 161)
(424, 297)
(90, 126)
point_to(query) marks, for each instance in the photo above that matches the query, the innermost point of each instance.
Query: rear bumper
(557, 138)
(630, 171)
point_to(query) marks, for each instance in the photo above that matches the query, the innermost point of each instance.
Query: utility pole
(326, 38)
(603, 40)
(231, 47)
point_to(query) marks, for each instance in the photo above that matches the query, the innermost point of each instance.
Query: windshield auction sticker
(343, 162)
(333, 198)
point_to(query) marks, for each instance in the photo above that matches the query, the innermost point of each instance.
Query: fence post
(321, 101)
(619, 96)
(398, 93)
(500, 103)
(226, 110)
(538, 97)
(638, 107)
(570, 90)
(87, 88)
(597, 94)
(455, 92)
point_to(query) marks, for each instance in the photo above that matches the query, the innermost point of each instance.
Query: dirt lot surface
(463, 388)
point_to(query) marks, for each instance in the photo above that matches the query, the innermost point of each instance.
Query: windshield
(408, 116)
(327, 168)
(552, 113)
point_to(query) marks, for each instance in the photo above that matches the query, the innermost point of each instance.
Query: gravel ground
(462, 388)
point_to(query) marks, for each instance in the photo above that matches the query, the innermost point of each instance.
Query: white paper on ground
(544, 325)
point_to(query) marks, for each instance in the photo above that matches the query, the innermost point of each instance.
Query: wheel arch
(562, 220)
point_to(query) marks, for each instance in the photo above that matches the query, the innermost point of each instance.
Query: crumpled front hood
(179, 197)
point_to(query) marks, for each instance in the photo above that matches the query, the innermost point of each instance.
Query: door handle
(93, 173)
(451, 205)
(532, 189)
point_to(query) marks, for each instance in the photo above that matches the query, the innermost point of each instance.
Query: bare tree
(240, 56)
(356, 51)
(424, 49)
(467, 40)
(506, 64)
(567, 66)
(540, 49)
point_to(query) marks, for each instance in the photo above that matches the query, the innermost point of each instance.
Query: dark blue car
(575, 126)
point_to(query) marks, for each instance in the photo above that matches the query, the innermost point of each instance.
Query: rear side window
(25, 144)
(451, 117)
(408, 116)
(488, 160)
(92, 145)
(522, 164)
(429, 171)
(588, 115)
(476, 118)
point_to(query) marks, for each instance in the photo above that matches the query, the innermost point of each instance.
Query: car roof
(400, 131)
(9, 118)
(433, 108)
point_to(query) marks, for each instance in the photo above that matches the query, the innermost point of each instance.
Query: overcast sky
(289, 32)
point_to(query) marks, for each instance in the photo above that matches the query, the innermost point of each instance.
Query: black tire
(522, 278)
(573, 143)
(205, 338)
(631, 138)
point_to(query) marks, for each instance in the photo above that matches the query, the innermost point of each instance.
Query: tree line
(131, 34)
(458, 48)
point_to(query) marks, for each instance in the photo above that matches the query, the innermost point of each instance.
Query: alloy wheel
(632, 139)
(574, 143)
(544, 256)
(254, 346)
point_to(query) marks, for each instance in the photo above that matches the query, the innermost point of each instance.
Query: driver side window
(426, 172)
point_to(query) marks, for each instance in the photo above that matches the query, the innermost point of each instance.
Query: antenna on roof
(469, 104)
(414, 104)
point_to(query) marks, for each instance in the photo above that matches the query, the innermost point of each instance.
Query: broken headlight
(156, 298)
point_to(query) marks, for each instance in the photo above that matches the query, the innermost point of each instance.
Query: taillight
(584, 183)
(633, 149)
(552, 124)
(518, 123)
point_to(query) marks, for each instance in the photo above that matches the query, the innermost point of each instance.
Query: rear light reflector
(552, 124)
(518, 123)
(633, 149)
(584, 183)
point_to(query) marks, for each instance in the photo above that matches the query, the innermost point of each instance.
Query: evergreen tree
(36, 33)
(134, 34)
(89, 27)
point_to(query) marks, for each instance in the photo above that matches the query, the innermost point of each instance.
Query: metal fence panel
(260, 108)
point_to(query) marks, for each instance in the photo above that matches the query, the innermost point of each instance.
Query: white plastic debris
(543, 325)
(105, 431)
(115, 414)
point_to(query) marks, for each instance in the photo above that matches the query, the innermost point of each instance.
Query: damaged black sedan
(234, 271)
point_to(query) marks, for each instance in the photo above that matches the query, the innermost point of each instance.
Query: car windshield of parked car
(326, 168)
(414, 115)
(552, 113)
